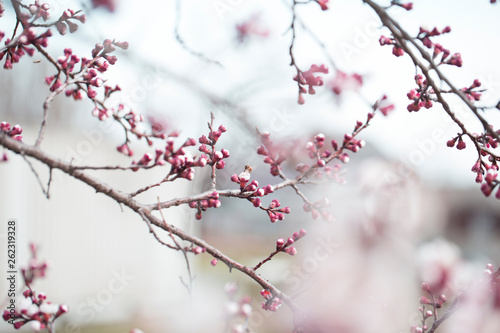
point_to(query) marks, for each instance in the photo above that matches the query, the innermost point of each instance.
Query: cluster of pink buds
(274, 211)
(396, 50)
(314, 150)
(271, 157)
(307, 78)
(214, 157)
(272, 303)
(17, 48)
(486, 166)
(207, 146)
(460, 145)
(490, 181)
(322, 156)
(285, 245)
(424, 36)
(420, 97)
(323, 4)
(14, 132)
(133, 120)
(68, 61)
(472, 95)
(39, 10)
(351, 143)
(318, 209)
(67, 21)
(35, 310)
(343, 81)
(89, 71)
(212, 201)
(488, 141)
(181, 160)
(435, 301)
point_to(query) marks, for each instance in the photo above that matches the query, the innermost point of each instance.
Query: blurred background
(409, 209)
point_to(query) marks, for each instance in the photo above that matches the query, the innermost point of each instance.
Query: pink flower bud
(213, 262)
(256, 202)
(426, 287)
(220, 165)
(260, 192)
(407, 6)
(487, 189)
(425, 300)
(398, 52)
(460, 144)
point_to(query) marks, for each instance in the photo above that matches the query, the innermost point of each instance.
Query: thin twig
(45, 192)
(183, 43)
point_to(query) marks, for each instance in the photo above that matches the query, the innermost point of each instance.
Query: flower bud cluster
(420, 97)
(486, 166)
(283, 245)
(181, 160)
(307, 78)
(67, 21)
(88, 71)
(271, 157)
(472, 95)
(425, 35)
(39, 10)
(34, 309)
(16, 48)
(272, 303)
(14, 131)
(460, 145)
(212, 201)
(315, 150)
(207, 146)
(274, 211)
(396, 50)
(436, 301)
